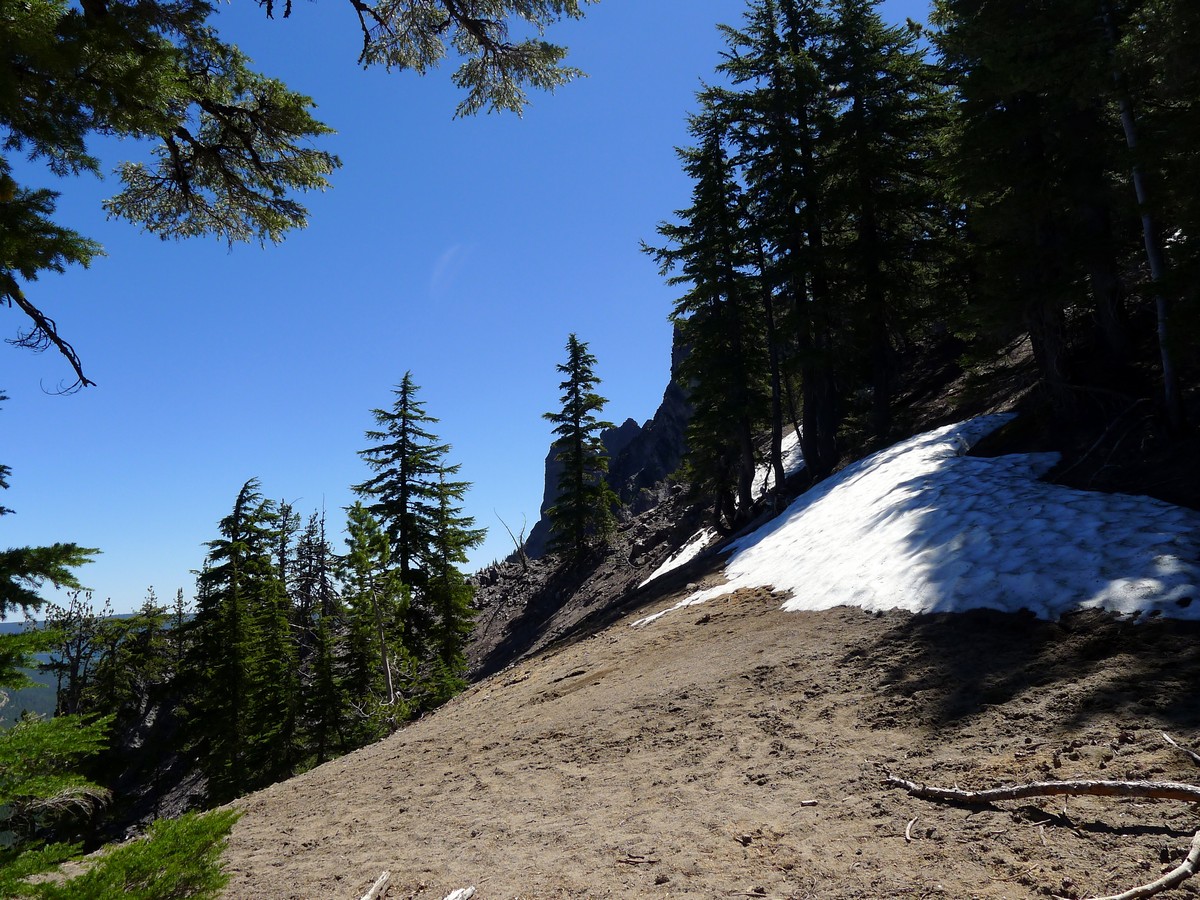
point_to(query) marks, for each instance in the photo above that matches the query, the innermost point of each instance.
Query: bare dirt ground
(733, 750)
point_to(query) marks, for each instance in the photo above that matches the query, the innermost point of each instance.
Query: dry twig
(1163, 790)
(1192, 754)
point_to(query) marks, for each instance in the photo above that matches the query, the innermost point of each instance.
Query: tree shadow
(949, 668)
(539, 606)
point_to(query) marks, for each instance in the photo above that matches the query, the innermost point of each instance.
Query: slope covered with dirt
(738, 750)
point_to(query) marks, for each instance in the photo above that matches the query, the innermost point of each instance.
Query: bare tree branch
(1161, 790)
(45, 334)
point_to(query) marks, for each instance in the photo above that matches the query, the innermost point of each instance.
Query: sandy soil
(733, 750)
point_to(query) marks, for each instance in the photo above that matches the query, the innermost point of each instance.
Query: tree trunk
(1150, 235)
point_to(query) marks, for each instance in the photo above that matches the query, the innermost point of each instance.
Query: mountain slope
(675, 759)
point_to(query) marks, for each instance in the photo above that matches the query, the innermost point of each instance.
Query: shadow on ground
(945, 669)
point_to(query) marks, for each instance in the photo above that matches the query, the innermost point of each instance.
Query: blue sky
(463, 250)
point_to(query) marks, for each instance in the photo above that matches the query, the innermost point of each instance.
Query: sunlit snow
(695, 545)
(925, 528)
(793, 462)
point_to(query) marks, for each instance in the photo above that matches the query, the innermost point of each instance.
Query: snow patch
(924, 528)
(695, 545)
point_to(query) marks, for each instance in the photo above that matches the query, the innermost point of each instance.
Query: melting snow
(925, 528)
(694, 547)
(793, 461)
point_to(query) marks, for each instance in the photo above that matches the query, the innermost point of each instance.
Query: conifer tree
(721, 317)
(1032, 84)
(416, 501)
(448, 594)
(1156, 77)
(381, 640)
(318, 618)
(582, 514)
(243, 662)
(408, 461)
(776, 62)
(882, 150)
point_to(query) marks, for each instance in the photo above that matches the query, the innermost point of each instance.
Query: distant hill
(38, 700)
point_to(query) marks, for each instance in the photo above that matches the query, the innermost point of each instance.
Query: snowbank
(925, 528)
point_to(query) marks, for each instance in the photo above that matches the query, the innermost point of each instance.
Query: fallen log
(1158, 790)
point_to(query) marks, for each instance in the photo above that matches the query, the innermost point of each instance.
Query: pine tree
(1156, 77)
(1032, 84)
(722, 317)
(243, 660)
(777, 63)
(382, 645)
(416, 500)
(882, 152)
(448, 594)
(408, 461)
(318, 617)
(582, 514)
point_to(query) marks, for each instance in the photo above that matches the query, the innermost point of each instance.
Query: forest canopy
(233, 148)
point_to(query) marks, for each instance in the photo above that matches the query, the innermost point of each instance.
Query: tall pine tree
(242, 659)
(582, 514)
(721, 317)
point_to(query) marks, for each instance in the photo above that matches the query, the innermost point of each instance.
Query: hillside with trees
(890, 228)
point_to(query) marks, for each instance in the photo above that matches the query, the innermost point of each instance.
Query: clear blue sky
(462, 250)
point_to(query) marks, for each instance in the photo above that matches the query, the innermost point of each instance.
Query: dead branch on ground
(377, 888)
(1174, 878)
(1192, 754)
(1160, 790)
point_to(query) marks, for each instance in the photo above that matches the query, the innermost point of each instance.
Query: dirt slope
(674, 760)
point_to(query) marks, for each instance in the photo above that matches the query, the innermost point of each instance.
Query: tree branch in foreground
(45, 333)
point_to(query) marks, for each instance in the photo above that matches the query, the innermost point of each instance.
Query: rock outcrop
(641, 457)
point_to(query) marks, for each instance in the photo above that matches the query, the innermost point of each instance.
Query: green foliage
(179, 859)
(233, 149)
(410, 466)
(39, 760)
(721, 316)
(817, 246)
(23, 570)
(243, 657)
(385, 633)
(582, 514)
(448, 595)
(418, 34)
